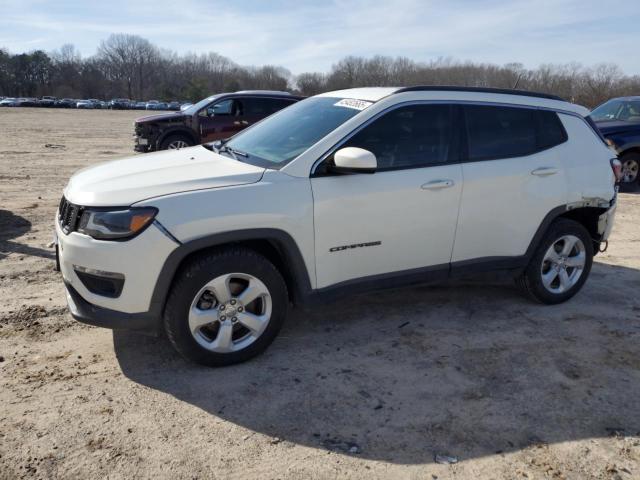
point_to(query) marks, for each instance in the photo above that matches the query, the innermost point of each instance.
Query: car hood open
(130, 180)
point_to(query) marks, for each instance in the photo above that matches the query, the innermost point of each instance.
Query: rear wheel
(630, 171)
(226, 307)
(175, 142)
(560, 265)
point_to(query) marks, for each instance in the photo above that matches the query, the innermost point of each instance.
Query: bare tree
(129, 59)
(128, 65)
(311, 83)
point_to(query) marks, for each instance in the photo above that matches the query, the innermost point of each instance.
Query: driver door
(402, 219)
(219, 120)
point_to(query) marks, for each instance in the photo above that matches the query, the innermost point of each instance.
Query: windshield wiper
(221, 147)
(237, 152)
(232, 151)
(218, 144)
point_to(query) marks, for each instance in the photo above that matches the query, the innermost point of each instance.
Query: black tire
(172, 139)
(531, 280)
(631, 159)
(197, 273)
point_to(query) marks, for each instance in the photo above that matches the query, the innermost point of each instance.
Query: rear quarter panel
(587, 163)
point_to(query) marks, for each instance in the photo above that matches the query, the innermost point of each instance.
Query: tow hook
(606, 245)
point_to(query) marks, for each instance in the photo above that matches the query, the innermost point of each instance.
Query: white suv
(341, 192)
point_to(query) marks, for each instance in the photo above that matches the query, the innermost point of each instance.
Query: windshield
(193, 109)
(283, 136)
(622, 110)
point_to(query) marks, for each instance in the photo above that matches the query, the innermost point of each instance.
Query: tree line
(132, 67)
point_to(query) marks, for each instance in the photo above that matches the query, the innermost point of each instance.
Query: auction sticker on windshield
(353, 103)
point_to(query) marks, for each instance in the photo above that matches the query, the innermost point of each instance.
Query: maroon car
(214, 118)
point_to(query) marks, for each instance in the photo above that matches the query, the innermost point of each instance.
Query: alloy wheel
(230, 312)
(563, 264)
(630, 170)
(176, 144)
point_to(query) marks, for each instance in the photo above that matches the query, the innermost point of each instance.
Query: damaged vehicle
(214, 118)
(340, 193)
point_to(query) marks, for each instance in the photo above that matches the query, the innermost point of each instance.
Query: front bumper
(145, 137)
(90, 314)
(139, 260)
(141, 144)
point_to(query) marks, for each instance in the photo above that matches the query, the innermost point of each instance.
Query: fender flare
(281, 240)
(634, 147)
(542, 229)
(176, 130)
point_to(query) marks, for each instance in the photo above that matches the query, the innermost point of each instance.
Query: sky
(312, 35)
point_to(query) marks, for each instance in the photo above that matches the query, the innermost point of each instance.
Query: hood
(616, 126)
(160, 117)
(130, 180)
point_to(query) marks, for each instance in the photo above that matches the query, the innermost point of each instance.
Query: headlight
(115, 224)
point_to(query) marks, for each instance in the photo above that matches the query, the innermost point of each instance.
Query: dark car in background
(97, 103)
(66, 103)
(213, 118)
(119, 104)
(618, 120)
(158, 106)
(27, 102)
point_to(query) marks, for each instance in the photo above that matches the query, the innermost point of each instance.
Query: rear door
(400, 219)
(513, 177)
(254, 109)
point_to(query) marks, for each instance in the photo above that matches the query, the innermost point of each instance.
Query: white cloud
(304, 36)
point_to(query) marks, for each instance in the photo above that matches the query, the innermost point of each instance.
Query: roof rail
(451, 88)
(267, 92)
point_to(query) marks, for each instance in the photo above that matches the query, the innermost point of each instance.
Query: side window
(630, 112)
(261, 107)
(276, 104)
(500, 132)
(408, 137)
(224, 107)
(550, 130)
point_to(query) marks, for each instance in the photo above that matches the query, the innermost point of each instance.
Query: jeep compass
(342, 192)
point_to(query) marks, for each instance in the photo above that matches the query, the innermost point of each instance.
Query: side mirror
(354, 160)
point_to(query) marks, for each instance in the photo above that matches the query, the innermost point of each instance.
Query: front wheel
(226, 307)
(175, 142)
(561, 263)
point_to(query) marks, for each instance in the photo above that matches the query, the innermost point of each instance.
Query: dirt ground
(373, 386)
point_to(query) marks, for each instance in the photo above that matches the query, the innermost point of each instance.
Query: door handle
(437, 184)
(241, 122)
(544, 171)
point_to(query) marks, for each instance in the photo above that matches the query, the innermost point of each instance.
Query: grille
(68, 215)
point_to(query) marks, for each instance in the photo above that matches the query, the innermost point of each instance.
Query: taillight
(616, 166)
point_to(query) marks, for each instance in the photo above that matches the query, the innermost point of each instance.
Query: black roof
(265, 93)
(451, 88)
